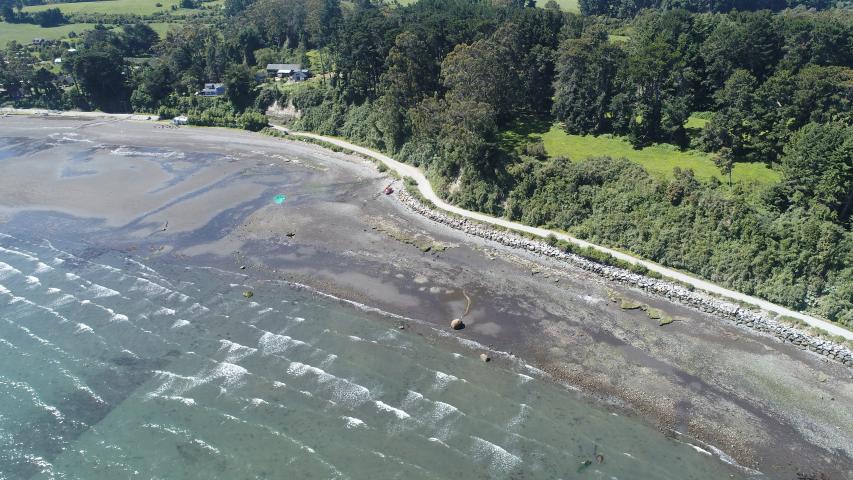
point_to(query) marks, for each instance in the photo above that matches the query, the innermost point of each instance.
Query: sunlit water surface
(112, 369)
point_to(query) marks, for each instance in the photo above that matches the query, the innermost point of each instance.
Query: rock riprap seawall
(698, 300)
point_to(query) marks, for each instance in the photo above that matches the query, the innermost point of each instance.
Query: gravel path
(426, 190)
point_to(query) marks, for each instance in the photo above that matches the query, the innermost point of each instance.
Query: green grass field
(138, 7)
(25, 32)
(659, 159)
(565, 5)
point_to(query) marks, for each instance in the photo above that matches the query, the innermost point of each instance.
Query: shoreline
(696, 377)
(668, 290)
(758, 322)
(425, 190)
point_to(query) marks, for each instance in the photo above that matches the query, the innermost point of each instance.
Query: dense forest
(440, 83)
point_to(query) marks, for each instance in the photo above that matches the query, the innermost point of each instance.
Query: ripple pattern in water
(110, 368)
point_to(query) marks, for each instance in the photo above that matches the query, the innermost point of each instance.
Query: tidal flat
(205, 198)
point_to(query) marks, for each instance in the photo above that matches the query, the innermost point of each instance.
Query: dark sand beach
(205, 197)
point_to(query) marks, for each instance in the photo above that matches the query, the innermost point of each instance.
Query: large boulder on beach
(457, 324)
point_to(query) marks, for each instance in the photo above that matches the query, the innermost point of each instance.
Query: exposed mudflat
(206, 196)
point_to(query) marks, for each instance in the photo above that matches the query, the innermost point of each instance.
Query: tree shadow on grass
(523, 130)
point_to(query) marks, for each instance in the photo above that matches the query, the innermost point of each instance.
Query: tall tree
(818, 167)
(585, 81)
(239, 84)
(481, 72)
(101, 76)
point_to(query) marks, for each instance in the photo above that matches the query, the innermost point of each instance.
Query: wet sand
(204, 196)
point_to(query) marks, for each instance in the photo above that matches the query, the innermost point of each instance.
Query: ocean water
(114, 368)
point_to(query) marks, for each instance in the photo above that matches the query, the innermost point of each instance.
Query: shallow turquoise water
(111, 369)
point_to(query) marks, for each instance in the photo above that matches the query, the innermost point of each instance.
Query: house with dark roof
(212, 90)
(290, 71)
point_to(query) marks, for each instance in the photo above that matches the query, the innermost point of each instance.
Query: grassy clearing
(162, 28)
(25, 32)
(659, 159)
(565, 5)
(138, 7)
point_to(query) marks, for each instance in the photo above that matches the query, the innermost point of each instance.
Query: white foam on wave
(79, 385)
(272, 343)
(83, 328)
(19, 253)
(180, 323)
(524, 378)
(442, 380)
(119, 317)
(499, 459)
(235, 351)
(231, 374)
(257, 402)
(180, 296)
(519, 419)
(174, 384)
(34, 397)
(100, 291)
(352, 422)
(8, 271)
(64, 299)
(71, 276)
(147, 286)
(185, 400)
(53, 290)
(165, 311)
(16, 299)
(401, 414)
(356, 339)
(198, 308)
(438, 441)
(124, 151)
(341, 390)
(327, 362)
(700, 449)
(42, 268)
(31, 280)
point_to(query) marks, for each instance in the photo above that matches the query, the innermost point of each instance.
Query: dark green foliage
(101, 77)
(585, 81)
(239, 84)
(723, 235)
(817, 168)
(137, 39)
(49, 18)
(629, 8)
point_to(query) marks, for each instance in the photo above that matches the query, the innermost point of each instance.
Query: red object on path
(388, 190)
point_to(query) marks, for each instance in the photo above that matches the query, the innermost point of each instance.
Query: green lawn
(25, 32)
(162, 28)
(659, 159)
(139, 7)
(565, 5)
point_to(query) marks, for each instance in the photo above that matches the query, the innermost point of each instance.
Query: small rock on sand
(484, 357)
(457, 324)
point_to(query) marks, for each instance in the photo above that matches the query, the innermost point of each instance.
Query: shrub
(252, 120)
